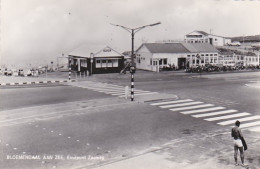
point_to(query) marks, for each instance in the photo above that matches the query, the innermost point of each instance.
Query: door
(181, 63)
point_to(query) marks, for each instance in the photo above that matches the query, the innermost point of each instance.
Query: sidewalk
(13, 80)
(204, 151)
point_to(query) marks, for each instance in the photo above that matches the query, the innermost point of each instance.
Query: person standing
(238, 145)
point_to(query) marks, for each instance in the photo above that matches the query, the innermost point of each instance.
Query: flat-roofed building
(204, 37)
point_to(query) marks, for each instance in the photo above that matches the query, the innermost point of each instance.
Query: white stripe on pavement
(241, 120)
(140, 94)
(203, 110)
(170, 102)
(181, 104)
(227, 117)
(192, 107)
(249, 124)
(123, 92)
(256, 129)
(214, 113)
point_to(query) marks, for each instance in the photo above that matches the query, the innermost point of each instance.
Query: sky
(36, 32)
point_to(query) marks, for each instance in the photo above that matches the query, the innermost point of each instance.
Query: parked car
(20, 72)
(9, 73)
(256, 45)
(14, 72)
(29, 73)
(235, 43)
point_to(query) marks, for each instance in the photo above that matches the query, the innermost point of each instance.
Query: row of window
(207, 60)
(203, 55)
(103, 63)
(100, 63)
(198, 41)
(161, 62)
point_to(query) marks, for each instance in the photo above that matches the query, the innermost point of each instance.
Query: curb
(36, 82)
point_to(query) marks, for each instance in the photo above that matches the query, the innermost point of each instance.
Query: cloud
(39, 31)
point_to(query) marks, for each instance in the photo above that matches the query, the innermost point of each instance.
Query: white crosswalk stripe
(245, 125)
(227, 117)
(114, 90)
(202, 110)
(214, 113)
(192, 107)
(241, 120)
(171, 102)
(210, 113)
(180, 105)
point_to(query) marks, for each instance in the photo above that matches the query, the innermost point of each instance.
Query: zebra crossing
(111, 89)
(211, 113)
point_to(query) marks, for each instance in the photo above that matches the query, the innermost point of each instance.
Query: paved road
(94, 123)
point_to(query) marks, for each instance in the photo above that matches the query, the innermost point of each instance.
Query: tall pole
(132, 64)
(132, 68)
(69, 67)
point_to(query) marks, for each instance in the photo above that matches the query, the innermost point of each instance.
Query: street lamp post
(91, 62)
(132, 68)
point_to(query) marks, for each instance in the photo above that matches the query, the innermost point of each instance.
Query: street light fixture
(132, 68)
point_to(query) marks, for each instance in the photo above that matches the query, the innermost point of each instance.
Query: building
(106, 60)
(153, 56)
(203, 37)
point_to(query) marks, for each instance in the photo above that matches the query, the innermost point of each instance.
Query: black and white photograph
(129, 84)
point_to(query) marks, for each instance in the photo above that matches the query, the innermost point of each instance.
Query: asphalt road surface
(83, 124)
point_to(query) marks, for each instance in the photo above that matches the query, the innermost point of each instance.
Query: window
(165, 61)
(151, 61)
(215, 60)
(109, 63)
(202, 59)
(102, 63)
(98, 63)
(211, 54)
(83, 63)
(160, 62)
(207, 60)
(207, 54)
(115, 62)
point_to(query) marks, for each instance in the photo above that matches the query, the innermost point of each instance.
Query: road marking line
(192, 107)
(203, 110)
(214, 113)
(181, 104)
(122, 92)
(170, 102)
(250, 124)
(227, 117)
(141, 94)
(241, 120)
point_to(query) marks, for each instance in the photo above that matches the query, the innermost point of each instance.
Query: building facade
(106, 60)
(153, 56)
(203, 37)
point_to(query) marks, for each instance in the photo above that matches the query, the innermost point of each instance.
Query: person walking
(238, 142)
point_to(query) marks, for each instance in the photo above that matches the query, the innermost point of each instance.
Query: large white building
(152, 56)
(203, 37)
